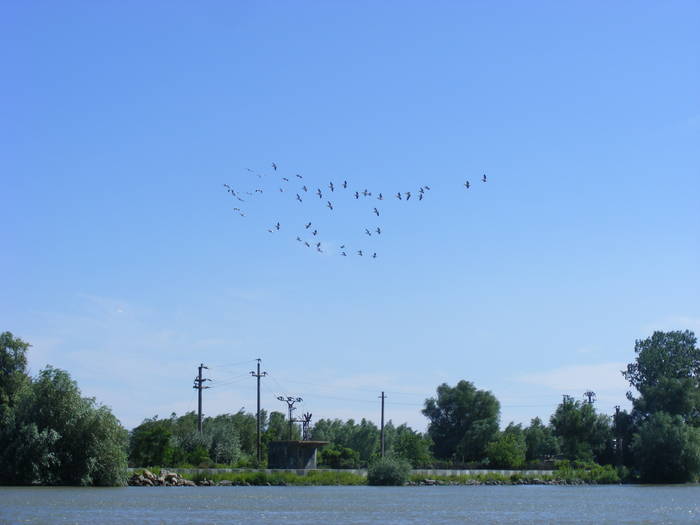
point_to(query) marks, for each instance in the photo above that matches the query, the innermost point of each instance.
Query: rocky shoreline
(174, 479)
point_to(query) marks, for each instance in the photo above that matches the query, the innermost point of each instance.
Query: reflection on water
(353, 505)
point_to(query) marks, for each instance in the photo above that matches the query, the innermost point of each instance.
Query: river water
(352, 505)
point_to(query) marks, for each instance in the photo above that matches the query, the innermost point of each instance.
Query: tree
(667, 450)
(13, 368)
(508, 451)
(411, 446)
(666, 373)
(540, 441)
(56, 436)
(583, 434)
(463, 420)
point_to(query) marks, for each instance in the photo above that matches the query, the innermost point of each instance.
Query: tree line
(50, 434)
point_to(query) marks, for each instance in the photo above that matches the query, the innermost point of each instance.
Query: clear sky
(124, 263)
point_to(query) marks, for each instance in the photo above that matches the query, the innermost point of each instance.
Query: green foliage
(312, 478)
(583, 434)
(55, 436)
(339, 457)
(508, 451)
(586, 471)
(540, 441)
(388, 471)
(13, 368)
(363, 437)
(463, 420)
(410, 445)
(667, 450)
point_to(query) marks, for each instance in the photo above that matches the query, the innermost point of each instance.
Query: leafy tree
(508, 451)
(55, 436)
(150, 443)
(540, 441)
(463, 420)
(411, 446)
(667, 450)
(13, 368)
(666, 373)
(337, 456)
(583, 434)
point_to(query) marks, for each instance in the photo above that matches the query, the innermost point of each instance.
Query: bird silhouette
(285, 179)
(342, 246)
(359, 252)
(408, 195)
(274, 166)
(343, 254)
(277, 226)
(365, 193)
(307, 244)
(319, 193)
(398, 195)
(271, 231)
(236, 209)
(376, 211)
(281, 190)
(242, 214)
(427, 187)
(368, 232)
(305, 188)
(379, 230)
(298, 197)
(315, 232)
(345, 184)
(483, 179)
(258, 190)
(381, 197)
(298, 238)
(420, 197)
(307, 226)
(331, 186)
(374, 255)
(319, 250)
(330, 205)
(318, 245)
(299, 176)
(357, 195)
(467, 185)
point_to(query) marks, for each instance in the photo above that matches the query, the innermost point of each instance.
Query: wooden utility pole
(198, 384)
(258, 375)
(381, 435)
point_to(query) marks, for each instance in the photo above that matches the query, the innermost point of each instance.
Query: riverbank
(321, 477)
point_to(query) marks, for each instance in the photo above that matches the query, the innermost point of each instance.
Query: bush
(388, 471)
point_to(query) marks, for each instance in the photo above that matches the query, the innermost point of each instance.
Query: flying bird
(281, 190)
(285, 179)
(398, 195)
(467, 185)
(368, 232)
(365, 193)
(379, 230)
(357, 195)
(236, 209)
(376, 211)
(427, 187)
(307, 244)
(299, 176)
(307, 226)
(318, 192)
(420, 197)
(483, 179)
(298, 238)
(258, 190)
(342, 246)
(319, 250)
(274, 166)
(408, 195)
(305, 188)
(298, 197)
(381, 197)
(277, 226)
(330, 205)
(315, 232)
(359, 252)
(242, 214)
(374, 255)
(343, 254)
(331, 186)
(345, 184)
(318, 245)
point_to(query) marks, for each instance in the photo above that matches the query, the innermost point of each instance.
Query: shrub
(388, 471)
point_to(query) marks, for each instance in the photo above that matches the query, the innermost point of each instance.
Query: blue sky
(124, 262)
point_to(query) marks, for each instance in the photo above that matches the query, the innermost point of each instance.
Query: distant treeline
(49, 434)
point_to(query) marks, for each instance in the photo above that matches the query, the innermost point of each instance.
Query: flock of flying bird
(308, 237)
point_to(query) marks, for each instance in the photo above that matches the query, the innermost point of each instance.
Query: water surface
(352, 505)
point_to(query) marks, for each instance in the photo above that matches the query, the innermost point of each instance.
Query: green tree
(411, 446)
(508, 451)
(463, 420)
(55, 436)
(540, 441)
(338, 456)
(583, 434)
(666, 373)
(13, 368)
(667, 450)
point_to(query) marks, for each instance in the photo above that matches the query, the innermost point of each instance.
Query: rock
(225, 483)
(429, 482)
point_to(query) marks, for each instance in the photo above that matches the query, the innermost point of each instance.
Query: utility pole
(198, 384)
(618, 439)
(258, 375)
(381, 435)
(290, 407)
(590, 395)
